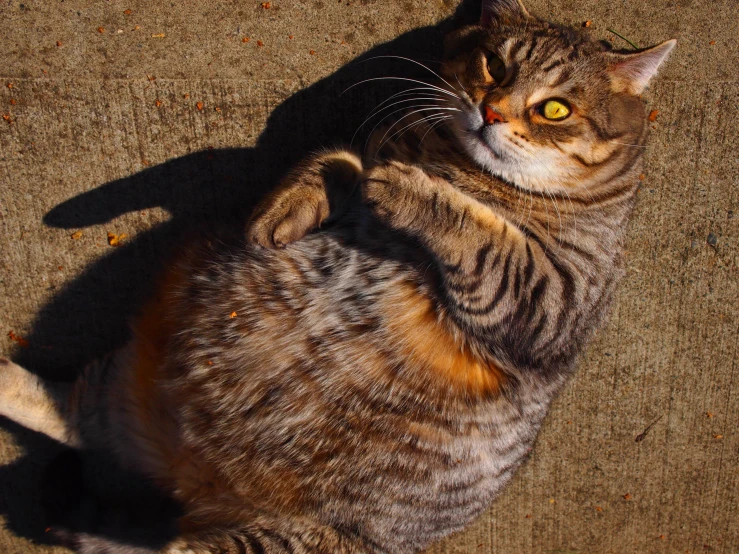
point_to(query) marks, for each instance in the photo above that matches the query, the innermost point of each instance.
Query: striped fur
(371, 387)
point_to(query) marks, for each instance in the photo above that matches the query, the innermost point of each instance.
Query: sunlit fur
(371, 387)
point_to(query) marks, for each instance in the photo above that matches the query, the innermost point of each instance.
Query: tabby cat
(370, 387)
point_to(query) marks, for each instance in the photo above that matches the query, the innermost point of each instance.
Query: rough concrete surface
(155, 119)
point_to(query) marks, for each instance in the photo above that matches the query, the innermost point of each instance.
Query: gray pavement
(154, 119)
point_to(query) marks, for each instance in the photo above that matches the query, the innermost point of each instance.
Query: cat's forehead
(534, 44)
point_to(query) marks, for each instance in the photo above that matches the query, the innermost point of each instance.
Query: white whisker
(401, 131)
(375, 111)
(423, 107)
(445, 91)
(417, 63)
(627, 144)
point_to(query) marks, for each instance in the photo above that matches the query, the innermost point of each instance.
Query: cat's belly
(305, 382)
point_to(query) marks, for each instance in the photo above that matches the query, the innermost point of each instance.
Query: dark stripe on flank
(499, 294)
(482, 257)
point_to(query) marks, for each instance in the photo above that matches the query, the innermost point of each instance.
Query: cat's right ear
(502, 10)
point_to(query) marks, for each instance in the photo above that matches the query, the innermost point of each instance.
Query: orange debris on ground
(115, 240)
(17, 338)
(653, 115)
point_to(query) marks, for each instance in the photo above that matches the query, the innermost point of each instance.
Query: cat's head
(546, 107)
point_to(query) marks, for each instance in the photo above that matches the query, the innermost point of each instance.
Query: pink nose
(491, 116)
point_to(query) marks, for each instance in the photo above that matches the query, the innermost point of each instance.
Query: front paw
(394, 193)
(288, 215)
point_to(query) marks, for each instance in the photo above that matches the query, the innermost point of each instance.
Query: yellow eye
(555, 110)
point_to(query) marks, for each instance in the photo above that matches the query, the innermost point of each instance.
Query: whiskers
(435, 102)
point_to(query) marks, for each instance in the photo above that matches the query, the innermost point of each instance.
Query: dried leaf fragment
(233, 314)
(158, 35)
(260, 43)
(115, 240)
(718, 437)
(709, 415)
(245, 39)
(653, 115)
(266, 5)
(127, 12)
(59, 43)
(157, 102)
(199, 106)
(76, 235)
(627, 496)
(23, 343)
(587, 23)
(291, 37)
(312, 52)
(598, 509)
(101, 30)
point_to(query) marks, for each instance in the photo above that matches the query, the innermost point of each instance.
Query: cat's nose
(491, 116)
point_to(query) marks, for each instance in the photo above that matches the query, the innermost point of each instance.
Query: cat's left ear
(494, 10)
(632, 72)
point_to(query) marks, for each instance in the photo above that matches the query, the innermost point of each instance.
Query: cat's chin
(490, 154)
(490, 158)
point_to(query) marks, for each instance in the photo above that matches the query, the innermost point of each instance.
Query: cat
(365, 369)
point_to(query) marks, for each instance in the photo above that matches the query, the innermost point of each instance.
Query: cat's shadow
(220, 187)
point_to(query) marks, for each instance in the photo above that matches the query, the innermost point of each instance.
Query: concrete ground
(153, 119)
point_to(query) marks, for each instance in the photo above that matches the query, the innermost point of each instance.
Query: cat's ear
(632, 72)
(494, 10)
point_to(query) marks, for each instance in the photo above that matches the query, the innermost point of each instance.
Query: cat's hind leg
(36, 404)
(75, 414)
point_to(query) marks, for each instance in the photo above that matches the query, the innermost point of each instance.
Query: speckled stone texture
(159, 119)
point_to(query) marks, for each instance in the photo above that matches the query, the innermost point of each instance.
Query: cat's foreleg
(315, 190)
(492, 271)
